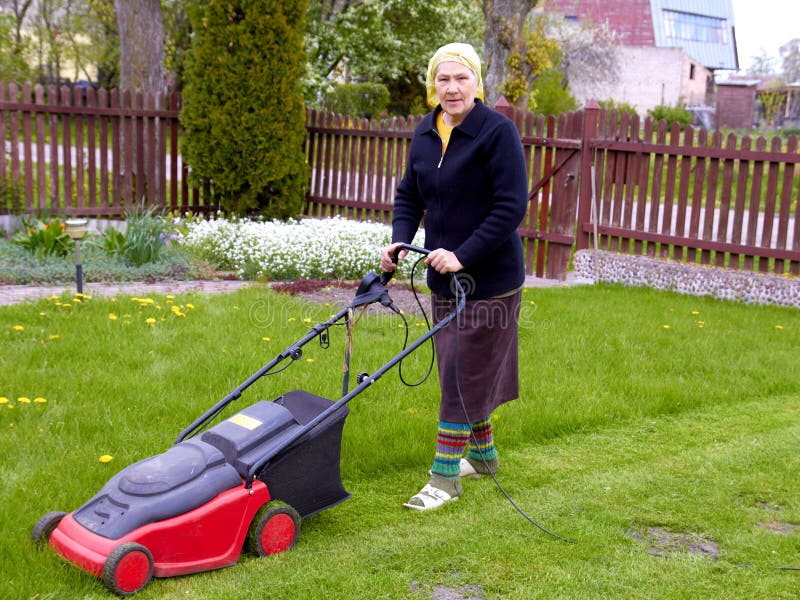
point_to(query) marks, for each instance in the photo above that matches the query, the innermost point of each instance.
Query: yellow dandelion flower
(266, 339)
(695, 313)
(307, 320)
(24, 400)
(701, 324)
(112, 316)
(666, 327)
(327, 304)
(106, 458)
(190, 305)
(309, 360)
(55, 336)
(3, 400)
(113, 300)
(533, 302)
(76, 300)
(42, 314)
(170, 297)
(18, 328)
(150, 320)
(39, 400)
(778, 327)
(291, 320)
(412, 411)
(53, 297)
(10, 405)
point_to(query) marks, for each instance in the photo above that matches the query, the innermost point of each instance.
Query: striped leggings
(453, 438)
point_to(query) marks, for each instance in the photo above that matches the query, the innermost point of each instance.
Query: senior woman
(466, 175)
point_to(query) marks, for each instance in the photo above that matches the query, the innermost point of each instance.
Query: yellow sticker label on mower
(245, 421)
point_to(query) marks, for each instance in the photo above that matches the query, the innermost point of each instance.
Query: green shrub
(43, 238)
(358, 99)
(243, 106)
(146, 234)
(548, 96)
(671, 114)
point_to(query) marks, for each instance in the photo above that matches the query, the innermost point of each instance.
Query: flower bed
(332, 248)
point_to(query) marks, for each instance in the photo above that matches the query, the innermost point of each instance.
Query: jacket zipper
(439, 166)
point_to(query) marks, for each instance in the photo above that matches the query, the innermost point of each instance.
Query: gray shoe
(472, 468)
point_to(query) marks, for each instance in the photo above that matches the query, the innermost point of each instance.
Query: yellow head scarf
(457, 52)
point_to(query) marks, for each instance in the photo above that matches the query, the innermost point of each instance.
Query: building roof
(703, 28)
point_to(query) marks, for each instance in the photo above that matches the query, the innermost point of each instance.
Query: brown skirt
(480, 358)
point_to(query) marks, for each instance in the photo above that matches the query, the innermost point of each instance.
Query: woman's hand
(387, 264)
(443, 261)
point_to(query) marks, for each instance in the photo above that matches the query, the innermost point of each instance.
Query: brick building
(670, 49)
(738, 97)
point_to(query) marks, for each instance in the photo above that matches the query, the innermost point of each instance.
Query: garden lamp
(76, 229)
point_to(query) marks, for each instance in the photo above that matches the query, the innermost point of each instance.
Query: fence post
(590, 116)
(504, 108)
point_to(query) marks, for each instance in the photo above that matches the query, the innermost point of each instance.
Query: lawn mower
(250, 478)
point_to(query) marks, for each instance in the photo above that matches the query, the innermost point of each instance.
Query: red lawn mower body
(194, 507)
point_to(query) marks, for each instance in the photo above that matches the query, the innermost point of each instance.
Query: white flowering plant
(333, 248)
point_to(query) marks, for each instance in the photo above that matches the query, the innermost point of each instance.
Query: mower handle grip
(386, 276)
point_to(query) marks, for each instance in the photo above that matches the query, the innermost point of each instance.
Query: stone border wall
(697, 280)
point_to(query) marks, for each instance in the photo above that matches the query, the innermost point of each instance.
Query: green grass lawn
(660, 432)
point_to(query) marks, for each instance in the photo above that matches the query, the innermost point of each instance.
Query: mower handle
(386, 276)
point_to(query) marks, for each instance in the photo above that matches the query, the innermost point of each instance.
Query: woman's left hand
(443, 261)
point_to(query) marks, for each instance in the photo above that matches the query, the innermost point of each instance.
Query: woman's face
(456, 86)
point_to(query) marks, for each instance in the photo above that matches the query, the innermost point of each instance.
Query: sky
(766, 24)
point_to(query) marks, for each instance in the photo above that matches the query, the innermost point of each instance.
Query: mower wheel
(45, 527)
(274, 529)
(128, 569)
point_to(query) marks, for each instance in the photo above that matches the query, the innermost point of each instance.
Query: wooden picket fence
(82, 152)
(693, 195)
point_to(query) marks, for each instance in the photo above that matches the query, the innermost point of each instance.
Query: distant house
(670, 49)
(738, 96)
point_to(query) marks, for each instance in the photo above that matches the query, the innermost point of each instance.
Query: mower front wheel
(128, 569)
(275, 529)
(45, 527)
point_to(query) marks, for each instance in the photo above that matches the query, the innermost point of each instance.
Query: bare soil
(341, 293)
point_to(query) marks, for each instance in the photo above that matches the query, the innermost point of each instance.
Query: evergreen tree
(243, 106)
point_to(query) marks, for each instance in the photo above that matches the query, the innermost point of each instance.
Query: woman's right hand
(387, 264)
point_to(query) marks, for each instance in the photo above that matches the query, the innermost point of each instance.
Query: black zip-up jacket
(473, 199)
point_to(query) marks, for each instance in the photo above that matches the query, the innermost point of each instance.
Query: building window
(682, 26)
(691, 71)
